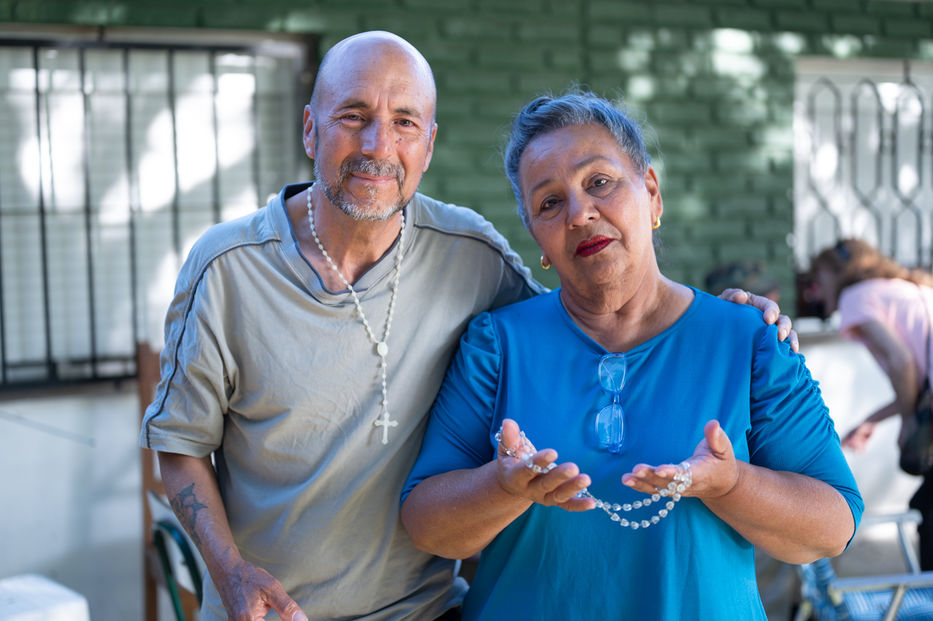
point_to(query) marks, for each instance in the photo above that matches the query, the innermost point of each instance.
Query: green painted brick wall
(713, 77)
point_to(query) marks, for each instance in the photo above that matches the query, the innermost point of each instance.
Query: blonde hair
(853, 260)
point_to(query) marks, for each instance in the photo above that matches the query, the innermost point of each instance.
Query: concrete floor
(71, 484)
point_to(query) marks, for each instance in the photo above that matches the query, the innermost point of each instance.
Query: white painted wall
(853, 387)
(71, 489)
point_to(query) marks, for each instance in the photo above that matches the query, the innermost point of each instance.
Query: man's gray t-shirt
(275, 374)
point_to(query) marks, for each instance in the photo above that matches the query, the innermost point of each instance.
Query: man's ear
(427, 160)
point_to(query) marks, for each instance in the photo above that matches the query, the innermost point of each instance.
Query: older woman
(623, 373)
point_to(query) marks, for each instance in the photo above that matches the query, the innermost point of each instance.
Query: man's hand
(769, 310)
(556, 487)
(249, 593)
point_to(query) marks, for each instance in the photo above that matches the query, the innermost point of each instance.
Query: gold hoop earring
(657, 223)
(545, 264)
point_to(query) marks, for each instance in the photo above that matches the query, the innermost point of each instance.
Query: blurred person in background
(886, 307)
(746, 275)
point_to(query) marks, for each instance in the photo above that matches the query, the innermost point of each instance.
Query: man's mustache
(376, 168)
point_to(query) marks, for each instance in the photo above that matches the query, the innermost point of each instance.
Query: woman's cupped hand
(713, 468)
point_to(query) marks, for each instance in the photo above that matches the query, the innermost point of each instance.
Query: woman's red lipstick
(592, 246)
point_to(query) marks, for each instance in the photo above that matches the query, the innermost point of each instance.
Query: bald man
(304, 347)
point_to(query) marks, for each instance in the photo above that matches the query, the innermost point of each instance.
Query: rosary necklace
(682, 481)
(382, 347)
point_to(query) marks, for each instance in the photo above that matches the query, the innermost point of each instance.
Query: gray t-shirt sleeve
(186, 415)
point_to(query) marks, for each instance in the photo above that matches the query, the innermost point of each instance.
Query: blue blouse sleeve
(791, 428)
(459, 429)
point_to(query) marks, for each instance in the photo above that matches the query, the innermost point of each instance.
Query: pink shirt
(897, 304)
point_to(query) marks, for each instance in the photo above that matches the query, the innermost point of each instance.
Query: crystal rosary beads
(382, 347)
(682, 481)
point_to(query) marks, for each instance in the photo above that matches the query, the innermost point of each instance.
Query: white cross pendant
(385, 422)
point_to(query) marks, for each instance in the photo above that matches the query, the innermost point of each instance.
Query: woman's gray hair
(547, 114)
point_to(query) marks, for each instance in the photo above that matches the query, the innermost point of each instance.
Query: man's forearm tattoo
(186, 507)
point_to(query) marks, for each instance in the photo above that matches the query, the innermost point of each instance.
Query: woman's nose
(581, 210)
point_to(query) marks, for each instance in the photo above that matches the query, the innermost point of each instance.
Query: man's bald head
(372, 115)
(376, 46)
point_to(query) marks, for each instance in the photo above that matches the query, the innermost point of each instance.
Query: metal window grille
(864, 157)
(114, 158)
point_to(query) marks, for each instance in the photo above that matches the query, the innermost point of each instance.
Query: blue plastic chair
(902, 597)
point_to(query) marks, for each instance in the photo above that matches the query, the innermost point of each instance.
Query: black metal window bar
(864, 162)
(115, 157)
